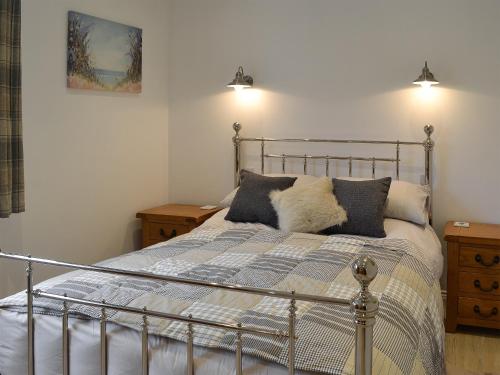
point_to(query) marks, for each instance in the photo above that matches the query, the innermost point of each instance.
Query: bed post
(239, 347)
(104, 342)
(292, 317)
(145, 343)
(428, 146)
(237, 154)
(364, 305)
(30, 321)
(65, 337)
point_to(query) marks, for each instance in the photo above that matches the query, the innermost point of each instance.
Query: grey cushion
(364, 202)
(252, 203)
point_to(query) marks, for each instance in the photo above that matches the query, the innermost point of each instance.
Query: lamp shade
(240, 80)
(426, 79)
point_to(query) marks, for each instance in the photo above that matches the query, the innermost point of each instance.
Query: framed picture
(103, 55)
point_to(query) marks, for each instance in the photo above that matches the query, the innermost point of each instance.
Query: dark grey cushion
(364, 202)
(252, 203)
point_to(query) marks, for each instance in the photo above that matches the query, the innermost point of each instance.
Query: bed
(407, 337)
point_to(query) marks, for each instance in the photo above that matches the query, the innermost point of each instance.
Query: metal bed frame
(363, 305)
(427, 144)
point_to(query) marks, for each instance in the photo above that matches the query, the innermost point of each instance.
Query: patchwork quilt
(408, 336)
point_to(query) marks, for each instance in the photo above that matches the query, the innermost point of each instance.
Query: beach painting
(103, 55)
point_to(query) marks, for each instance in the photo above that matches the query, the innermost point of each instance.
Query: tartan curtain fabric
(11, 146)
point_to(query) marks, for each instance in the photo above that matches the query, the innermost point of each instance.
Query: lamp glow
(425, 85)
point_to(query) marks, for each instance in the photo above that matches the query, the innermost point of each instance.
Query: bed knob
(364, 269)
(237, 127)
(364, 304)
(428, 129)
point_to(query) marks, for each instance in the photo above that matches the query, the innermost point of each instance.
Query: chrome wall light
(426, 79)
(240, 81)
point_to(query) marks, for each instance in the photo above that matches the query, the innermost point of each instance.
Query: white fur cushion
(308, 208)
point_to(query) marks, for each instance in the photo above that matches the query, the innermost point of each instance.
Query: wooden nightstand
(473, 296)
(165, 222)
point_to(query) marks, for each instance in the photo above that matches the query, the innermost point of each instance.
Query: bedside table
(165, 222)
(473, 296)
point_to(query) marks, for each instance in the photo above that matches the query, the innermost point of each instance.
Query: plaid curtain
(11, 146)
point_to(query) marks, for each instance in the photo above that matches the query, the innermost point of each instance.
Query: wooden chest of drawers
(165, 222)
(473, 296)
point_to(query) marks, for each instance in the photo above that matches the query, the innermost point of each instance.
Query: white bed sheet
(167, 357)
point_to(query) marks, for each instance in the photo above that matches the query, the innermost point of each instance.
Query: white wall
(322, 68)
(92, 160)
(327, 68)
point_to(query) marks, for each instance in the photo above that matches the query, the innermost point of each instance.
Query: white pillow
(409, 202)
(302, 179)
(405, 201)
(308, 208)
(228, 199)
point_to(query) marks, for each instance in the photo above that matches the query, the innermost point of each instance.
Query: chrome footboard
(364, 307)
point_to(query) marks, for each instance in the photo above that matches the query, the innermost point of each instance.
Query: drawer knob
(493, 312)
(479, 259)
(172, 234)
(493, 286)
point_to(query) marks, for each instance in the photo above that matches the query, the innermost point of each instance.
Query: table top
(477, 231)
(192, 212)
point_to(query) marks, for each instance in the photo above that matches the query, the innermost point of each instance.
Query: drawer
(166, 231)
(479, 257)
(478, 309)
(478, 283)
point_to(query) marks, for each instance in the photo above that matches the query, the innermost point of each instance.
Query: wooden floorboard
(473, 352)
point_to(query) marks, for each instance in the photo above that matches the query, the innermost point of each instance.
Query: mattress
(124, 343)
(167, 356)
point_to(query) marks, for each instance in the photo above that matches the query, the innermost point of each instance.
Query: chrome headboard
(427, 144)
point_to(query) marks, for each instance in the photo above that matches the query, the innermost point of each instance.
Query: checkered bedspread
(408, 337)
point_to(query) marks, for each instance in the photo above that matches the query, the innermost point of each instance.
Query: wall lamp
(240, 81)
(426, 79)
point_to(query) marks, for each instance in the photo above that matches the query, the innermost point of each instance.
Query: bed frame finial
(237, 127)
(237, 154)
(428, 146)
(428, 143)
(364, 305)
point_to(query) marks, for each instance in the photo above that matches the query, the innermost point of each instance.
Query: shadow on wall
(133, 227)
